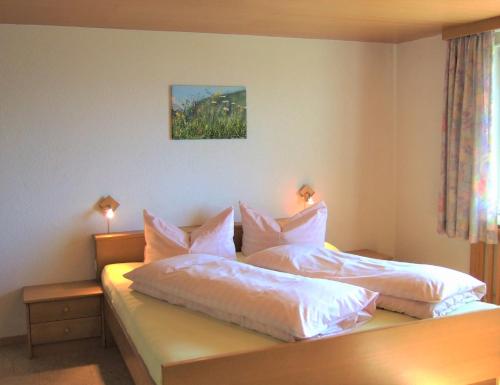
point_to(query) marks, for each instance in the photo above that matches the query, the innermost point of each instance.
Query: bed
(168, 345)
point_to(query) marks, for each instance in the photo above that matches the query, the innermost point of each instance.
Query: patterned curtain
(468, 195)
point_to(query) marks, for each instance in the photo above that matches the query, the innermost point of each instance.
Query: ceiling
(362, 20)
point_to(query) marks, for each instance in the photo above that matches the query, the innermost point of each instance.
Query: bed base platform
(115, 334)
(460, 349)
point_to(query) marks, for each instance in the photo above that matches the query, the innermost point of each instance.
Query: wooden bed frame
(462, 349)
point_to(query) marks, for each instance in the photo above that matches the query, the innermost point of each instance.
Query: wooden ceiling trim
(389, 21)
(471, 28)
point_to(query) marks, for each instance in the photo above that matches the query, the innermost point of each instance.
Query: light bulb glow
(110, 214)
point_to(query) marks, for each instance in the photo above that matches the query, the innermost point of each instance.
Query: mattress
(164, 333)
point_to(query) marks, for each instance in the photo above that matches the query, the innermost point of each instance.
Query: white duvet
(418, 290)
(288, 307)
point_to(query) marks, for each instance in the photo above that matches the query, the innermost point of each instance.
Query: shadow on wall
(365, 146)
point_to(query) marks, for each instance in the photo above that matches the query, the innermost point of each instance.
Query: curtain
(468, 192)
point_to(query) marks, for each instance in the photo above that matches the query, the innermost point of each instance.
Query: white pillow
(164, 240)
(261, 231)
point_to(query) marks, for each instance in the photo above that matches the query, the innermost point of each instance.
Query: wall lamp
(108, 207)
(307, 193)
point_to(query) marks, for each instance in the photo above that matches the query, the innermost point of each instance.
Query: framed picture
(208, 112)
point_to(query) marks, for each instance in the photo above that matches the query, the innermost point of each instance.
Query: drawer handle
(66, 330)
(66, 309)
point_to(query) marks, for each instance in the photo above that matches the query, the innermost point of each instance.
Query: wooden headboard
(129, 246)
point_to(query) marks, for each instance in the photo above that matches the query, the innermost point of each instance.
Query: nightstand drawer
(56, 331)
(63, 310)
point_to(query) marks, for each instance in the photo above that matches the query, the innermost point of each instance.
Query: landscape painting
(208, 112)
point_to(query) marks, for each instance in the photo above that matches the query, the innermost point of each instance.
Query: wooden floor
(71, 363)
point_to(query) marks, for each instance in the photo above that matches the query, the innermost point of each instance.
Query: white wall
(84, 113)
(419, 108)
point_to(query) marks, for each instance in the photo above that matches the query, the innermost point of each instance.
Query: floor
(71, 363)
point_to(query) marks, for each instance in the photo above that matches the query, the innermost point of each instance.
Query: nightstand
(63, 312)
(371, 254)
